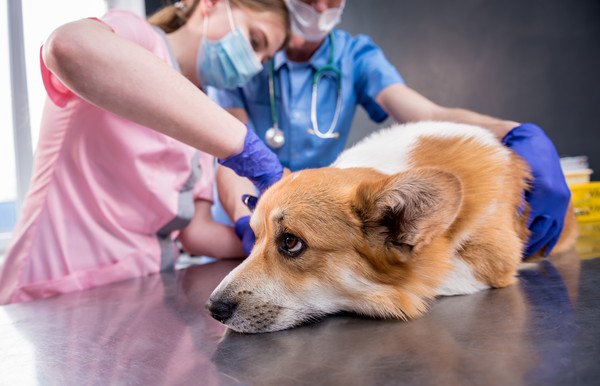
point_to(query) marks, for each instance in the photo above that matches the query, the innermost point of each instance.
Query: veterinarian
(117, 173)
(302, 105)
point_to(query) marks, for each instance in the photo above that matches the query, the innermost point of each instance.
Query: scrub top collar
(319, 59)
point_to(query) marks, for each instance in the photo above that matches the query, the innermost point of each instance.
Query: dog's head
(330, 240)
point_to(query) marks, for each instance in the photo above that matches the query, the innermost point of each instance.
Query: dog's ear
(408, 210)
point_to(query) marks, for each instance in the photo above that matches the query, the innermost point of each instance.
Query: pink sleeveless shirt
(107, 195)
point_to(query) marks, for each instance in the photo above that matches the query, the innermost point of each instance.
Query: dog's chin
(246, 326)
(256, 330)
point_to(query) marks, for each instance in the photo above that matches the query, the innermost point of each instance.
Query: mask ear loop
(204, 23)
(205, 20)
(230, 15)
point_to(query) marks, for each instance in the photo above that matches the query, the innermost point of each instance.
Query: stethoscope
(274, 136)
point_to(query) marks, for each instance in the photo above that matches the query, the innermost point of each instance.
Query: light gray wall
(525, 60)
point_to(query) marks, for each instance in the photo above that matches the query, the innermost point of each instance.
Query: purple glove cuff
(521, 132)
(241, 225)
(245, 233)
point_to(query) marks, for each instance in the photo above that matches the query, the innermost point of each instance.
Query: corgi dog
(411, 212)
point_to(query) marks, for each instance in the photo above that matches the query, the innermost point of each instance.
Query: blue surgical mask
(229, 62)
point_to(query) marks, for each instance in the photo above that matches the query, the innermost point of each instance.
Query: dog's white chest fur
(460, 280)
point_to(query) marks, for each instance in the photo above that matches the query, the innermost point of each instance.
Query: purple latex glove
(256, 162)
(245, 234)
(549, 194)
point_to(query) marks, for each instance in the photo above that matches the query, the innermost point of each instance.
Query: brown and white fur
(410, 213)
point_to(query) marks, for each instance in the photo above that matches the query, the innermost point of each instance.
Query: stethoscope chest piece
(274, 137)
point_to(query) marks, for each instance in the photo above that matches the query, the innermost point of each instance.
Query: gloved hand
(245, 234)
(256, 162)
(549, 194)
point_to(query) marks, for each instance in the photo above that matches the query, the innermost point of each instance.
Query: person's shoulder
(356, 44)
(126, 19)
(134, 27)
(124, 14)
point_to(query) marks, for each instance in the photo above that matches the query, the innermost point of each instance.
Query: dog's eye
(291, 245)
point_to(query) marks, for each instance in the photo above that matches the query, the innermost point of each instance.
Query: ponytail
(173, 16)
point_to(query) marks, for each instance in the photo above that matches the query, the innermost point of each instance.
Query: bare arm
(406, 105)
(120, 76)
(230, 186)
(205, 237)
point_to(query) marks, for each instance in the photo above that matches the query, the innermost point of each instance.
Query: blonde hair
(172, 17)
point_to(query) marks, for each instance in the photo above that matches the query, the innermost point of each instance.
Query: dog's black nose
(221, 310)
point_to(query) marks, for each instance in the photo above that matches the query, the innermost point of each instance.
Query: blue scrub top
(365, 73)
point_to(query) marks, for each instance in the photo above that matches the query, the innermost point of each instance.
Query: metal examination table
(155, 331)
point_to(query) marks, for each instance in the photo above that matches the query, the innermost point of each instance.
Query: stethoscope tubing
(330, 69)
(323, 71)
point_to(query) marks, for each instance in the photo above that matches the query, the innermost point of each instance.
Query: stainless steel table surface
(155, 331)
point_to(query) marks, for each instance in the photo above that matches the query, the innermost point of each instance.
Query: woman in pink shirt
(124, 160)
